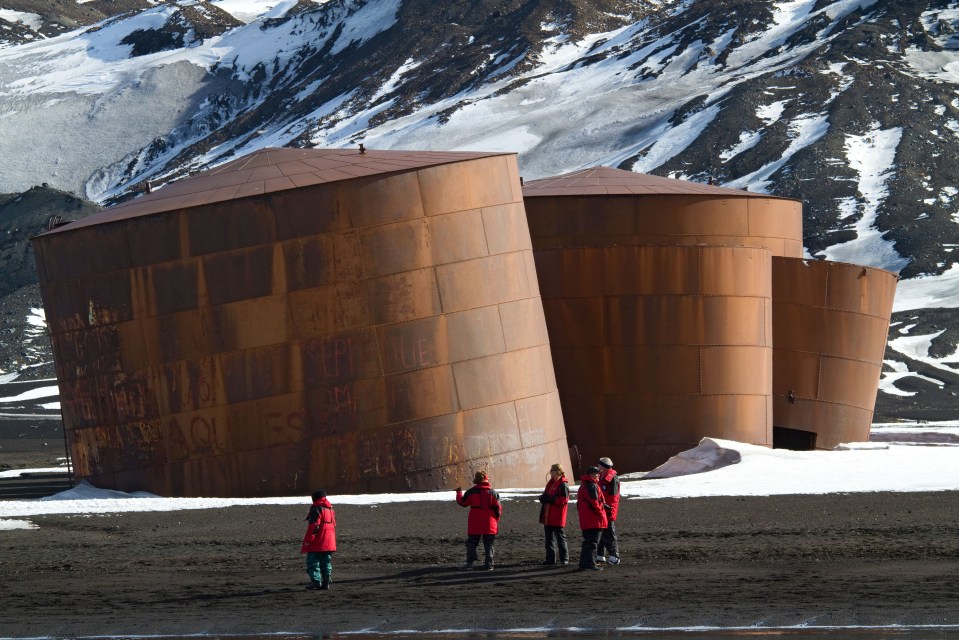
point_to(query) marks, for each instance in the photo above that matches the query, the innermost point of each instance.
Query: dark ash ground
(854, 559)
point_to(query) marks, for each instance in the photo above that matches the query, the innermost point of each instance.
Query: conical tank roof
(270, 170)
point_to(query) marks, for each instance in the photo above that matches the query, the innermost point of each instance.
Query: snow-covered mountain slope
(847, 105)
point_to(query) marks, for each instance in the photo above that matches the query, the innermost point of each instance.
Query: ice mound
(708, 455)
(86, 491)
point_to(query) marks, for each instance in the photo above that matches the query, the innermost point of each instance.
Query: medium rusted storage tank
(647, 368)
(657, 346)
(831, 322)
(353, 320)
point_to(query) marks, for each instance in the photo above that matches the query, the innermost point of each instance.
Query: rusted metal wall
(378, 328)
(657, 346)
(608, 207)
(831, 323)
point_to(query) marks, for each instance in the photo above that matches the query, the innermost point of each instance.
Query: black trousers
(607, 542)
(556, 537)
(472, 541)
(587, 556)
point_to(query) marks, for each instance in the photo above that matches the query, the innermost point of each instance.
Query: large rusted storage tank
(656, 346)
(831, 322)
(294, 319)
(668, 360)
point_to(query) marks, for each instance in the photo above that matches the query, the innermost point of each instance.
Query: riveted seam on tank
(818, 376)
(439, 291)
(379, 352)
(825, 289)
(502, 330)
(784, 303)
(482, 210)
(699, 291)
(834, 356)
(828, 402)
(456, 388)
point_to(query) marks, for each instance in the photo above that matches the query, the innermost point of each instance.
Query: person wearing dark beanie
(608, 548)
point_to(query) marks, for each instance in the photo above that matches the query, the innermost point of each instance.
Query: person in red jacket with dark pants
(608, 549)
(483, 521)
(592, 517)
(319, 543)
(552, 515)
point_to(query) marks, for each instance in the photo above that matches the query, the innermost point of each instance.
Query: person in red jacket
(592, 517)
(552, 515)
(483, 520)
(319, 543)
(608, 549)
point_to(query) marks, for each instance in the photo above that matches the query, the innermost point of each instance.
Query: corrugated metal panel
(655, 347)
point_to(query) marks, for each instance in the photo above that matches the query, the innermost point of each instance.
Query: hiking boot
(612, 560)
(467, 566)
(487, 567)
(313, 586)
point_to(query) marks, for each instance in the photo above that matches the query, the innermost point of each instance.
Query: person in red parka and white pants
(319, 543)
(552, 515)
(592, 517)
(483, 520)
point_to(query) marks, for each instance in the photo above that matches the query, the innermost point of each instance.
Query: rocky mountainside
(848, 105)
(24, 347)
(28, 20)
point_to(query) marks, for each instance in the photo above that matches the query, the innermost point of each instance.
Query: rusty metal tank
(681, 346)
(656, 346)
(831, 322)
(360, 321)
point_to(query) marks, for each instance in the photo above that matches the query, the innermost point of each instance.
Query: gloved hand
(544, 498)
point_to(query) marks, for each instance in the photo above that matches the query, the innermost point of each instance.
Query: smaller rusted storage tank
(361, 321)
(831, 323)
(657, 346)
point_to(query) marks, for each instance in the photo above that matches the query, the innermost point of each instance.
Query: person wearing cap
(552, 515)
(608, 549)
(483, 520)
(319, 543)
(592, 517)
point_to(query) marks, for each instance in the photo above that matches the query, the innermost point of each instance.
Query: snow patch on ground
(32, 20)
(929, 292)
(760, 472)
(804, 131)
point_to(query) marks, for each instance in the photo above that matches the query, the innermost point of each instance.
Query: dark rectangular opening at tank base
(794, 439)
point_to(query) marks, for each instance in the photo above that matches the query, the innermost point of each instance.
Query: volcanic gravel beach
(838, 559)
